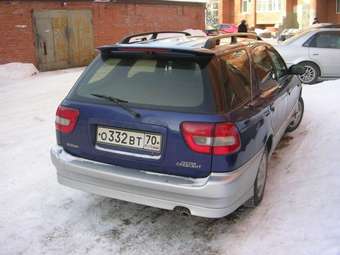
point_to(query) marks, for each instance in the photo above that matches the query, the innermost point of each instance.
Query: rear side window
(177, 84)
(263, 67)
(330, 39)
(236, 74)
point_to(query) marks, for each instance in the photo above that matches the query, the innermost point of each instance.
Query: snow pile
(15, 71)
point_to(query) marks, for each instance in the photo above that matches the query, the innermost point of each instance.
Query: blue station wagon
(180, 122)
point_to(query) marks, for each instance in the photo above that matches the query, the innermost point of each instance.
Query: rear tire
(297, 116)
(312, 73)
(260, 182)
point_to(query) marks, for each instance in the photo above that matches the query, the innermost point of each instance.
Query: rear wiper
(120, 103)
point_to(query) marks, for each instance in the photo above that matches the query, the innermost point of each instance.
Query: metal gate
(64, 38)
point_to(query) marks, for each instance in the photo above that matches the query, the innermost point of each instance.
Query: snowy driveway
(300, 213)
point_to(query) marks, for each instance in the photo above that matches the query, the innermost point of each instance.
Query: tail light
(66, 119)
(211, 138)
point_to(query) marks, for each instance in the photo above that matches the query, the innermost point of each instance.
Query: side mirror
(296, 69)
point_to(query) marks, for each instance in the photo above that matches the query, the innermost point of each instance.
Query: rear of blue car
(146, 126)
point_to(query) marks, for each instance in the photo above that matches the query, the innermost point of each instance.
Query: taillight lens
(211, 138)
(66, 119)
(198, 136)
(226, 139)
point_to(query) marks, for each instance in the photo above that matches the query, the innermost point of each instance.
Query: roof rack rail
(126, 40)
(329, 26)
(214, 41)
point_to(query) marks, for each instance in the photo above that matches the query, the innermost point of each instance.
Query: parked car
(185, 124)
(316, 49)
(211, 31)
(287, 33)
(227, 28)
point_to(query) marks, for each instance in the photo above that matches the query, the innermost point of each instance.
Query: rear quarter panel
(255, 129)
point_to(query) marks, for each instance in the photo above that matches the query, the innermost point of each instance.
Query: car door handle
(267, 113)
(315, 54)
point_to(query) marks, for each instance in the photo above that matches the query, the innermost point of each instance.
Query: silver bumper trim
(157, 157)
(214, 196)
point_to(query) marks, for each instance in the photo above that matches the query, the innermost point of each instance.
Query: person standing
(316, 21)
(242, 28)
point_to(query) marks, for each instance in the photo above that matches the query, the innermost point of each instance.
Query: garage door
(64, 38)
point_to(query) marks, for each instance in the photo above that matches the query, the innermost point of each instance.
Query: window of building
(338, 6)
(245, 5)
(237, 82)
(268, 5)
(212, 13)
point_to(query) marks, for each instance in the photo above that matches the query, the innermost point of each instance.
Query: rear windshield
(157, 83)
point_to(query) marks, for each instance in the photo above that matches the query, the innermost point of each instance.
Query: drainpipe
(254, 13)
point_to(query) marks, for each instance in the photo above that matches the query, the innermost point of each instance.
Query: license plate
(127, 138)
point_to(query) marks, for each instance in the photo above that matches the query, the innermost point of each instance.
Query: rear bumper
(214, 196)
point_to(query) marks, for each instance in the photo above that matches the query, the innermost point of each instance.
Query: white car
(317, 49)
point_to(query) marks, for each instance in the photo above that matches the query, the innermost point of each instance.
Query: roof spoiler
(126, 40)
(123, 51)
(215, 41)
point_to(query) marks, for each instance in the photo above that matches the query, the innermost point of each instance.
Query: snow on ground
(299, 214)
(15, 71)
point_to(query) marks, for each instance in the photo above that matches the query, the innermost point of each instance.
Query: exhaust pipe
(182, 211)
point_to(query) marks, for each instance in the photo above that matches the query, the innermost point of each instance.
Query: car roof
(203, 44)
(174, 42)
(325, 29)
(326, 25)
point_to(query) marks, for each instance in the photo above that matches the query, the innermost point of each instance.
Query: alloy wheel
(309, 75)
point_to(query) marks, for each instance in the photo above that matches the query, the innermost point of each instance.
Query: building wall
(249, 16)
(261, 19)
(306, 12)
(265, 18)
(286, 17)
(328, 13)
(322, 10)
(294, 13)
(290, 17)
(111, 21)
(226, 11)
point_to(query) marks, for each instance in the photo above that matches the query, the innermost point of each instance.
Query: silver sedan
(317, 49)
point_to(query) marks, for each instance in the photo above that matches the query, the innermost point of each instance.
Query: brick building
(279, 13)
(60, 34)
